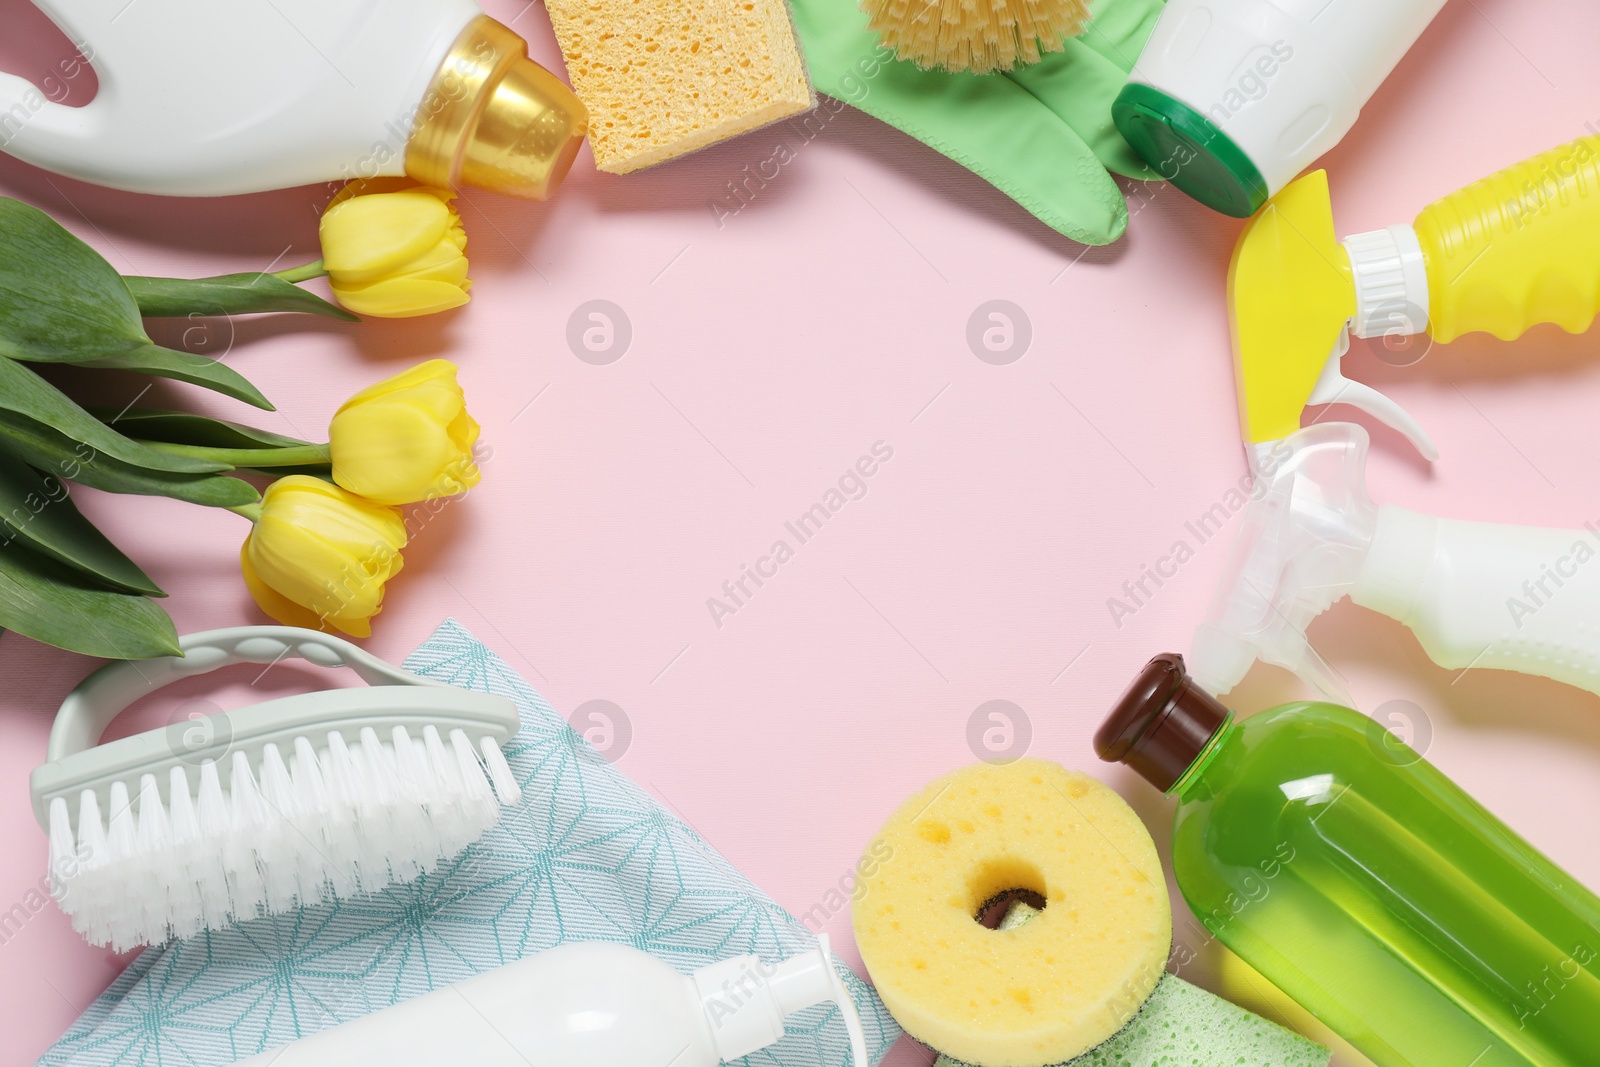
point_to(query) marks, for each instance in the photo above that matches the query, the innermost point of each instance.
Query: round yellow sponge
(1046, 991)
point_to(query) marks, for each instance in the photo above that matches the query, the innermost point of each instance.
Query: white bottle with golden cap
(200, 98)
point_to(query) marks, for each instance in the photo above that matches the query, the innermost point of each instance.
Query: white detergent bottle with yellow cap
(1231, 99)
(199, 98)
(1478, 595)
(589, 1004)
(1504, 254)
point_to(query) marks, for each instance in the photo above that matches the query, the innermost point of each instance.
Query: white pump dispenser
(199, 98)
(588, 1004)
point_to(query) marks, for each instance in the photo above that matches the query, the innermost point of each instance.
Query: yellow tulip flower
(407, 438)
(319, 556)
(394, 250)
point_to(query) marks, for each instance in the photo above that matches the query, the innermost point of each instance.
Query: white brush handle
(1479, 594)
(102, 696)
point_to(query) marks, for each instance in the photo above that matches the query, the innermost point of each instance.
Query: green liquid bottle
(1364, 883)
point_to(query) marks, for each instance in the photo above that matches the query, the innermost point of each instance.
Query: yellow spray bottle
(1516, 249)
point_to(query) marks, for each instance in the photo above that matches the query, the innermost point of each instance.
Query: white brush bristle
(292, 828)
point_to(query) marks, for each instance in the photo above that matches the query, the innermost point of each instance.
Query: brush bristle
(296, 828)
(975, 35)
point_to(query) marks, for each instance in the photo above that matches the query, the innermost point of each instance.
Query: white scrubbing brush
(253, 811)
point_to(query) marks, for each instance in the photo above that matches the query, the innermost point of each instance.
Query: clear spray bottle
(1476, 594)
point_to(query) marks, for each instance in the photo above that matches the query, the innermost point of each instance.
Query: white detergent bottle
(201, 98)
(1231, 99)
(588, 1004)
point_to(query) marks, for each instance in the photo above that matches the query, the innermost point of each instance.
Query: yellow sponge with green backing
(1075, 971)
(1026, 996)
(1182, 1025)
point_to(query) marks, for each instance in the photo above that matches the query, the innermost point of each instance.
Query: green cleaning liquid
(1365, 884)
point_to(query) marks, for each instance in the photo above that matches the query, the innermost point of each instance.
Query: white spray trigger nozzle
(1300, 548)
(1334, 388)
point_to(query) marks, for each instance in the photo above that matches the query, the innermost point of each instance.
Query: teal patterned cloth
(586, 856)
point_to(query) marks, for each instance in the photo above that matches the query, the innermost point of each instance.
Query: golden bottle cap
(494, 119)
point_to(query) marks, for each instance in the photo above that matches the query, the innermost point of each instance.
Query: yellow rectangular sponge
(664, 77)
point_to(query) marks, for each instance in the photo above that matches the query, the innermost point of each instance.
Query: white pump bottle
(200, 98)
(588, 1004)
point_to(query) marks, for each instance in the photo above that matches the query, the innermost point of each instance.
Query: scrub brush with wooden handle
(975, 35)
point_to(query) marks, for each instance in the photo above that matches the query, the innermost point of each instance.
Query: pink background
(766, 356)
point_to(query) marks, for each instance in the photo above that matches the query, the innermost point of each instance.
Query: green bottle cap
(1186, 149)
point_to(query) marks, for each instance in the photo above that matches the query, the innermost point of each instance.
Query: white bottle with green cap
(1231, 99)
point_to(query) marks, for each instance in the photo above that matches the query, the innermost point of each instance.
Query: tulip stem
(290, 456)
(249, 511)
(314, 269)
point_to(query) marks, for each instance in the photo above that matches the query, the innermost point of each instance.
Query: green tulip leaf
(55, 454)
(41, 599)
(59, 299)
(32, 409)
(182, 428)
(37, 513)
(61, 302)
(229, 294)
(183, 367)
(209, 490)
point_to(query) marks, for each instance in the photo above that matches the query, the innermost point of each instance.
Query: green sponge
(1182, 1025)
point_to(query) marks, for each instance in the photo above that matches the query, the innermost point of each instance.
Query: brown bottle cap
(1161, 723)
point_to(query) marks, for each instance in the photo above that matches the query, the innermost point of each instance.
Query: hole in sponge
(994, 910)
(1001, 882)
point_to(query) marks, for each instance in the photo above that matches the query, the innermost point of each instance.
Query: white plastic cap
(1391, 281)
(746, 1000)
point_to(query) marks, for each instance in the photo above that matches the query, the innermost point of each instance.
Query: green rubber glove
(1042, 134)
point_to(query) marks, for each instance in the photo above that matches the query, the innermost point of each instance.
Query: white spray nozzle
(1334, 388)
(1390, 278)
(1304, 537)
